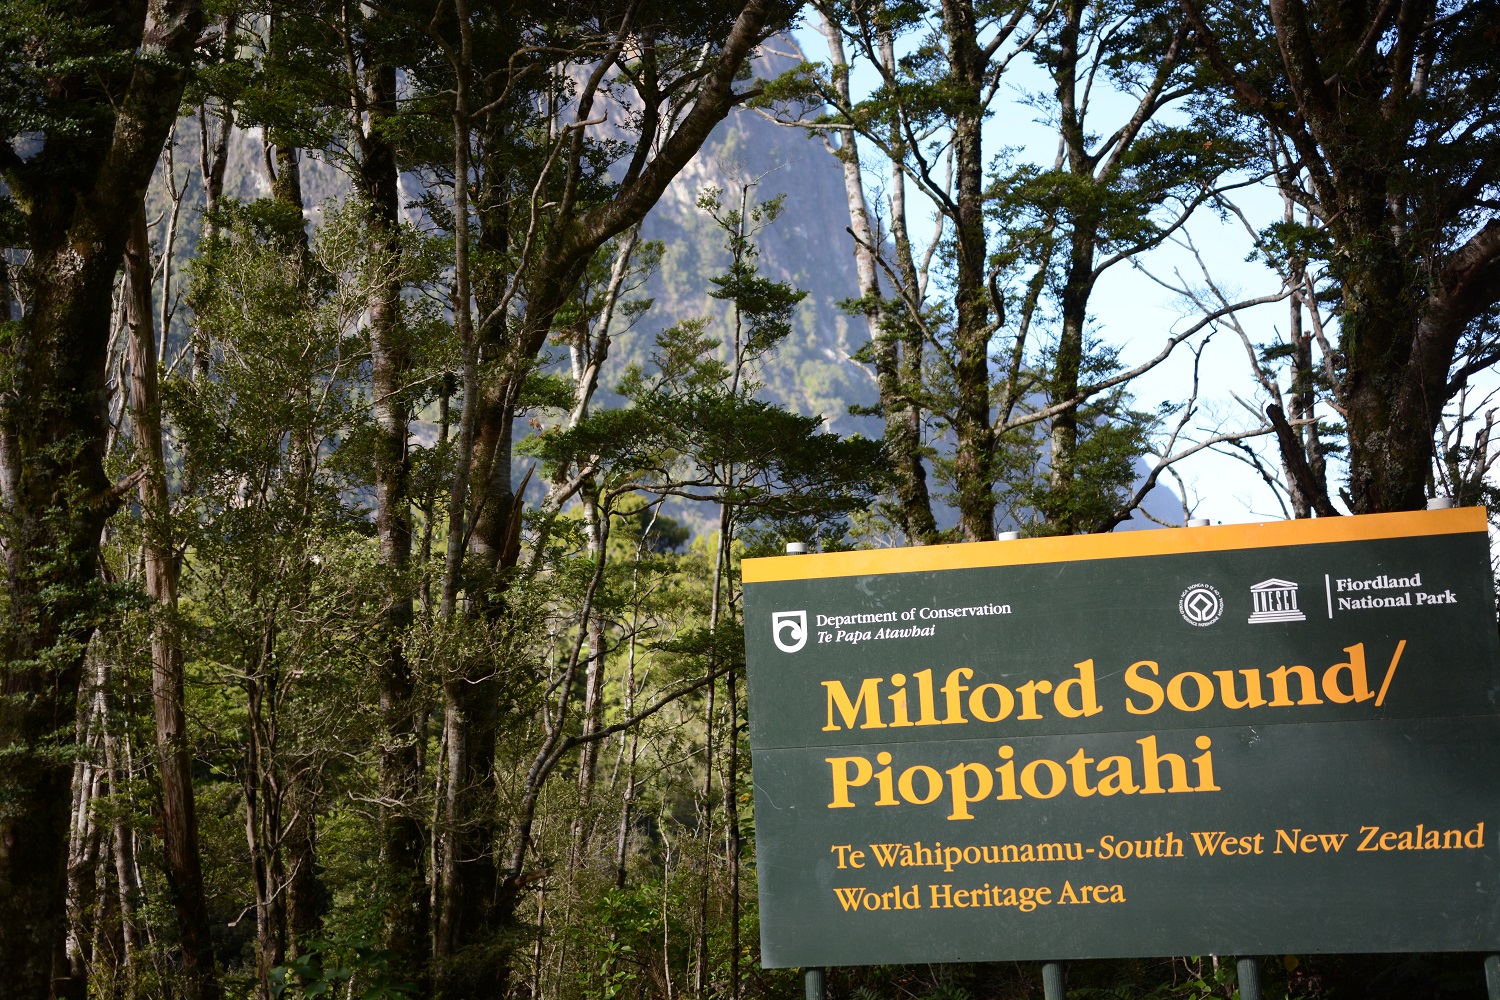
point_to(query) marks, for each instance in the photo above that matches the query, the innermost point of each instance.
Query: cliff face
(807, 247)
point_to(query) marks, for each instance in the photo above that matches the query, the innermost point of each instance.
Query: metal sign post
(814, 983)
(1248, 971)
(1053, 987)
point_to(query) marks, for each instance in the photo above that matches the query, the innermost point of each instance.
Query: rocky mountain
(807, 247)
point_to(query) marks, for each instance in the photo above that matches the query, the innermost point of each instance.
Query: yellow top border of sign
(1078, 548)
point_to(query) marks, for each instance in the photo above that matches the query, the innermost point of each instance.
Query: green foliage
(622, 931)
(51, 51)
(340, 967)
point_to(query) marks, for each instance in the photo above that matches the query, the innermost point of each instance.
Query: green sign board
(1257, 739)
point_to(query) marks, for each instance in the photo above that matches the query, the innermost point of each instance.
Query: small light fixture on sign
(1440, 503)
(1198, 522)
(1008, 536)
(796, 548)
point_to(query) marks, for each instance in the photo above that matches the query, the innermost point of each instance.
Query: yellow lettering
(952, 688)
(1004, 700)
(1280, 688)
(1059, 778)
(883, 780)
(1083, 684)
(1007, 772)
(908, 790)
(869, 697)
(1207, 841)
(1359, 683)
(1204, 696)
(1079, 763)
(1028, 693)
(1136, 682)
(1121, 780)
(849, 898)
(898, 703)
(925, 698)
(843, 780)
(959, 786)
(1151, 763)
(1205, 762)
(1253, 697)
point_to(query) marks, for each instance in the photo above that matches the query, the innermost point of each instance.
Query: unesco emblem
(1201, 604)
(794, 624)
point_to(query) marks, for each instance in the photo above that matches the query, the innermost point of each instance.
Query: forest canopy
(376, 461)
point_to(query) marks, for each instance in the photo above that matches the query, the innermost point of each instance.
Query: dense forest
(376, 463)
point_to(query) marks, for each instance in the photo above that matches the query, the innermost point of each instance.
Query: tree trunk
(593, 684)
(179, 818)
(62, 501)
(1066, 368)
(80, 192)
(911, 477)
(464, 943)
(123, 849)
(973, 458)
(84, 840)
(404, 926)
(1399, 334)
(294, 845)
(903, 429)
(263, 818)
(306, 898)
(213, 164)
(479, 901)
(734, 835)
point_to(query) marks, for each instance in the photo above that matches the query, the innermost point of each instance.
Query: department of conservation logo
(1275, 601)
(1201, 604)
(793, 622)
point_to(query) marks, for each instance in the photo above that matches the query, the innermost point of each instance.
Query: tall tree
(926, 119)
(262, 432)
(1391, 115)
(1117, 189)
(329, 81)
(521, 247)
(1041, 424)
(163, 570)
(91, 93)
(896, 345)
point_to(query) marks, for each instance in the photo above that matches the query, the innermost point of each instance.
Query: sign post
(1235, 740)
(1247, 970)
(1052, 981)
(813, 982)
